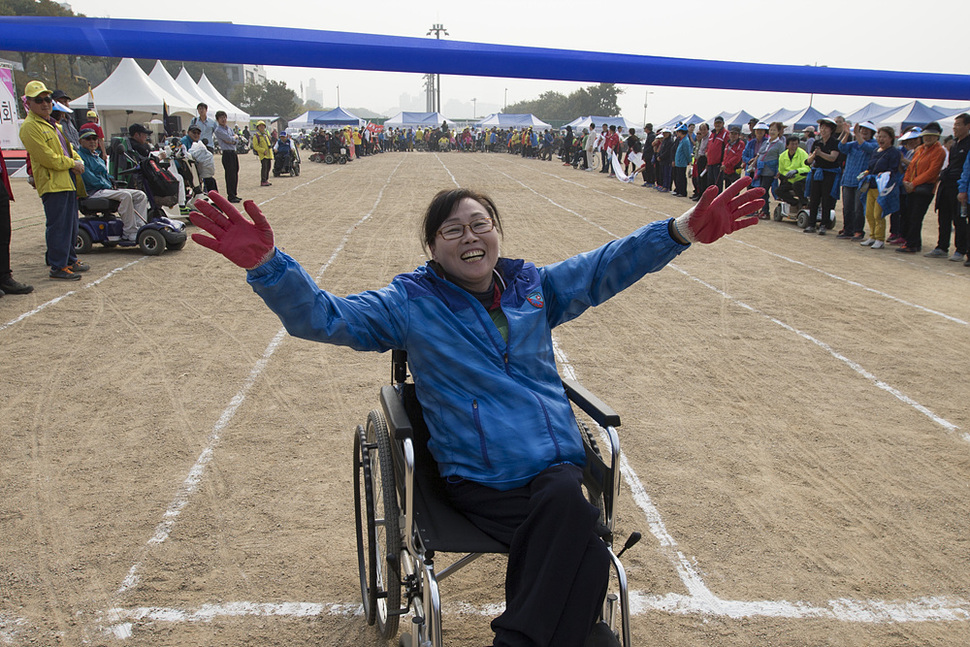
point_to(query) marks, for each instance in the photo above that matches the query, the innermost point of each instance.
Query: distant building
(241, 74)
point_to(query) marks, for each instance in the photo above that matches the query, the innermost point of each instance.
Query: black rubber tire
(387, 532)
(151, 242)
(803, 219)
(778, 215)
(328, 159)
(174, 247)
(364, 516)
(83, 242)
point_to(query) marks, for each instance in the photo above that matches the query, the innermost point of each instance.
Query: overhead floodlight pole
(437, 30)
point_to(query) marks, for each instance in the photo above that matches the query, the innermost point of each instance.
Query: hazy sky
(824, 32)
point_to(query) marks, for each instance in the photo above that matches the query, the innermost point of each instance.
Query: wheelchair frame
(403, 517)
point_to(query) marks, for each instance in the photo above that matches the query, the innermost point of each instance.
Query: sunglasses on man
(43, 100)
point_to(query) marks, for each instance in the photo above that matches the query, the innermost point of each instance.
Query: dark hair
(221, 113)
(202, 104)
(444, 204)
(779, 126)
(964, 117)
(649, 126)
(890, 132)
(792, 138)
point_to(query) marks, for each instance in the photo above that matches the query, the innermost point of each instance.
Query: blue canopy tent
(802, 119)
(502, 120)
(253, 44)
(415, 120)
(692, 119)
(670, 123)
(337, 117)
(869, 112)
(583, 122)
(740, 118)
(782, 115)
(914, 113)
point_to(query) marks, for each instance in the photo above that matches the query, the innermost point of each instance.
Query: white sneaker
(867, 242)
(957, 257)
(878, 244)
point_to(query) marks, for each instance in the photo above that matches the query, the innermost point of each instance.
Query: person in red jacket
(731, 159)
(716, 142)
(7, 283)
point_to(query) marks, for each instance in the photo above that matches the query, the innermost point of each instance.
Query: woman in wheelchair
(477, 329)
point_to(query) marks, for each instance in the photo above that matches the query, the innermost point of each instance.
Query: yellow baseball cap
(92, 113)
(260, 123)
(34, 88)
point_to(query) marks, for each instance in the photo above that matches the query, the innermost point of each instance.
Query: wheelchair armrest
(397, 417)
(593, 406)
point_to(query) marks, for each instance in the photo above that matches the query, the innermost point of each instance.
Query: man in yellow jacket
(264, 150)
(53, 160)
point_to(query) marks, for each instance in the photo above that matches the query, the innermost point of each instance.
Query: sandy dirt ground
(174, 470)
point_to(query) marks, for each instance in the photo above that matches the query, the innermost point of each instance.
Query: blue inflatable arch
(228, 43)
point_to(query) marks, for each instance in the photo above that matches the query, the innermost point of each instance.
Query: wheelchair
(404, 518)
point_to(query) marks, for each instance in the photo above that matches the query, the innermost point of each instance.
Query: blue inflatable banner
(229, 43)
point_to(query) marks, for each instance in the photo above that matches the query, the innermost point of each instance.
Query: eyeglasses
(43, 100)
(455, 231)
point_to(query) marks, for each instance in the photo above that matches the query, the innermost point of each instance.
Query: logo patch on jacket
(535, 299)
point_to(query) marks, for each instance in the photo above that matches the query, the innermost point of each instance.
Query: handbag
(924, 189)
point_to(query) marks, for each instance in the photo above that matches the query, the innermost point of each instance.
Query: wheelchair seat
(404, 516)
(97, 206)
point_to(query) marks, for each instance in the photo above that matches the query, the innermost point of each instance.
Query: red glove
(246, 244)
(713, 217)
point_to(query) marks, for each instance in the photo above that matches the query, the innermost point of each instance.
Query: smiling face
(470, 258)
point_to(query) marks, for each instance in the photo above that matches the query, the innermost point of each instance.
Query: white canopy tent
(184, 80)
(233, 114)
(161, 76)
(129, 96)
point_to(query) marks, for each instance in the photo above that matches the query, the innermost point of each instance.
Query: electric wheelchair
(404, 518)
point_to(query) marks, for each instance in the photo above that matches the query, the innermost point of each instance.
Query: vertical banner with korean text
(9, 127)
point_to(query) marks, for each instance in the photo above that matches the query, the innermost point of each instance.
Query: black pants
(680, 180)
(5, 230)
(700, 182)
(230, 163)
(948, 208)
(714, 177)
(558, 568)
(792, 192)
(912, 224)
(264, 165)
(822, 196)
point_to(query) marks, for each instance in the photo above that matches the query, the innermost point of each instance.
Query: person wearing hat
(94, 124)
(64, 116)
(879, 202)
(825, 160)
(947, 202)
(55, 164)
(908, 142)
(264, 151)
(809, 142)
(857, 144)
(766, 161)
(716, 142)
(919, 183)
(759, 135)
(132, 203)
(792, 171)
(731, 162)
(199, 153)
(682, 159)
(7, 283)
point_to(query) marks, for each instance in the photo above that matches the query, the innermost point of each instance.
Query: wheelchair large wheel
(364, 515)
(385, 569)
(83, 242)
(803, 219)
(779, 215)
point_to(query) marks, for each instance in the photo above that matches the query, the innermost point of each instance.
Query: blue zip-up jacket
(496, 410)
(95, 174)
(684, 153)
(856, 159)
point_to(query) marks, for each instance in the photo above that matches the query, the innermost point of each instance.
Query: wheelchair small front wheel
(386, 564)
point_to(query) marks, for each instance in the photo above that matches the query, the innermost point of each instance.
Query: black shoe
(15, 287)
(808, 230)
(64, 274)
(78, 266)
(235, 199)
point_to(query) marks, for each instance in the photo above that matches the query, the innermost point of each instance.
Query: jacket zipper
(481, 433)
